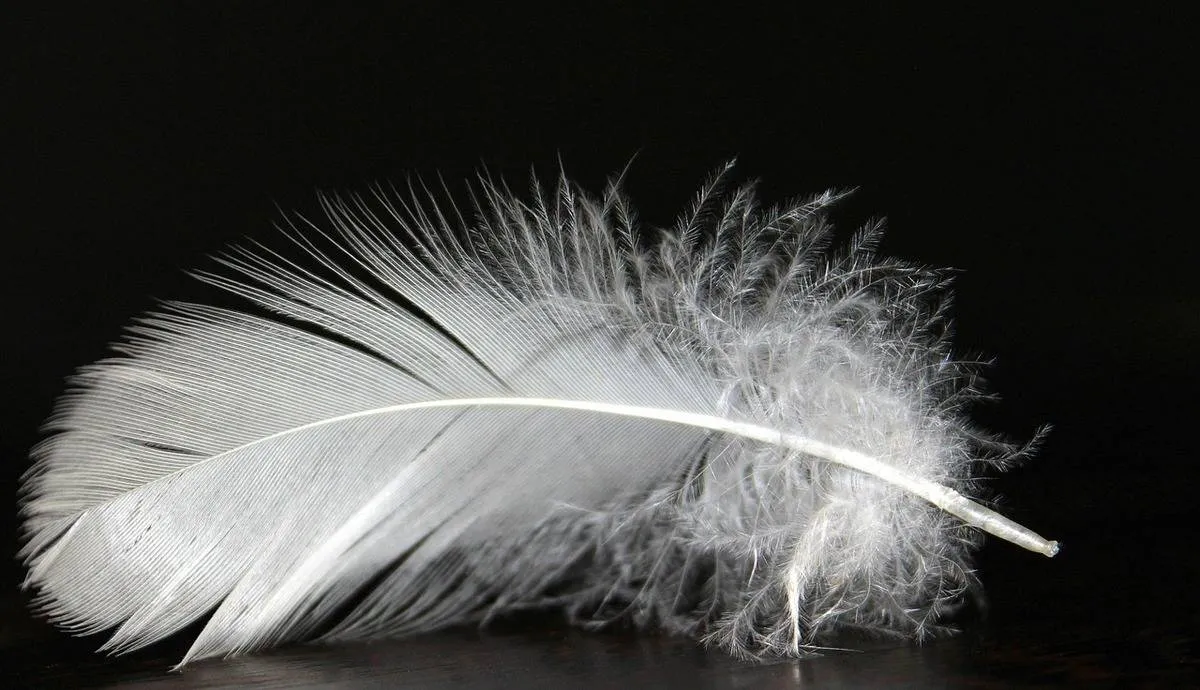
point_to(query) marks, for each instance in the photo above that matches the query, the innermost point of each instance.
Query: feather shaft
(941, 496)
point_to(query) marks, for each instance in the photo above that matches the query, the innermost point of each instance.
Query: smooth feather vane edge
(730, 433)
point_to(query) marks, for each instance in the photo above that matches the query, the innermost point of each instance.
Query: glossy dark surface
(559, 659)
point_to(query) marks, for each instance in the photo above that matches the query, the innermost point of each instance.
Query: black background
(1042, 151)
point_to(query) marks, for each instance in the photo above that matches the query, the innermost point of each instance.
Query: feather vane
(727, 432)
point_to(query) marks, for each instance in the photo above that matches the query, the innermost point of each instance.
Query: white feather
(725, 432)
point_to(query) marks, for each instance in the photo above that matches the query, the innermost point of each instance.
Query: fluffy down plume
(725, 430)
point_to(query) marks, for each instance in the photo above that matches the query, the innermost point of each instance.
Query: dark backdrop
(1034, 149)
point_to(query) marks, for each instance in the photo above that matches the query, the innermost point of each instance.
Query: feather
(727, 431)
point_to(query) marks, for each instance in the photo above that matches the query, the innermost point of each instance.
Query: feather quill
(727, 431)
